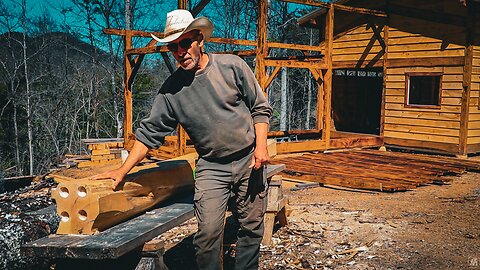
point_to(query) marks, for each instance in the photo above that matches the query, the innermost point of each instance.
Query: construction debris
(25, 215)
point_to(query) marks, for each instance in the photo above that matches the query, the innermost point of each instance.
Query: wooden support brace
(275, 209)
(152, 256)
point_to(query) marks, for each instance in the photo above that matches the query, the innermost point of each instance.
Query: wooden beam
(327, 77)
(384, 81)
(199, 7)
(366, 11)
(427, 15)
(467, 80)
(303, 146)
(300, 47)
(272, 76)
(376, 33)
(86, 206)
(319, 64)
(182, 4)
(127, 90)
(133, 33)
(356, 142)
(262, 48)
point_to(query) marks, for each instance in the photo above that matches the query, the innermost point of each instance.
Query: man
(222, 108)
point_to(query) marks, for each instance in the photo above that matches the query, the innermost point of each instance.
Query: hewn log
(86, 206)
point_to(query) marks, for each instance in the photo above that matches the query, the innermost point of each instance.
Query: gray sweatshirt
(216, 106)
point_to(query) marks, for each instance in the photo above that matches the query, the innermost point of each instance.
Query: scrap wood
(374, 170)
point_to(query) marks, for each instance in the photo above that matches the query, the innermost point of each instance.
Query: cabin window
(423, 90)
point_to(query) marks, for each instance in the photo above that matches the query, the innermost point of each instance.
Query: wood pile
(103, 152)
(375, 170)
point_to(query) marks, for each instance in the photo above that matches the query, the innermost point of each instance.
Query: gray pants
(215, 184)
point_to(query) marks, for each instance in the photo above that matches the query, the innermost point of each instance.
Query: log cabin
(406, 70)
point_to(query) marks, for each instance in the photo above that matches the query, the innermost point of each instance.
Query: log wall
(473, 139)
(438, 128)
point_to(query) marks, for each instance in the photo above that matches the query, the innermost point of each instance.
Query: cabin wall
(357, 45)
(427, 128)
(473, 138)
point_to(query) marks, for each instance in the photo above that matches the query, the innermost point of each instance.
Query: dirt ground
(432, 227)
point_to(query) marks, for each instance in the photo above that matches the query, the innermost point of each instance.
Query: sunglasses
(184, 44)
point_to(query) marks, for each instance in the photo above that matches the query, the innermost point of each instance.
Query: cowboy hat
(181, 21)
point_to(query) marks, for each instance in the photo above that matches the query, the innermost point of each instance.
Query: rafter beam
(367, 11)
(199, 7)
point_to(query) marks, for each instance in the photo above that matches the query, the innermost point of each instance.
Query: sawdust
(432, 227)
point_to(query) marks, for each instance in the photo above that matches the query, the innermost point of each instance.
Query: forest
(61, 77)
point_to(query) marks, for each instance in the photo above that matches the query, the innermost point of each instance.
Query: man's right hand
(138, 152)
(116, 175)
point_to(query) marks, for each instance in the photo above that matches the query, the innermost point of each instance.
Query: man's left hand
(260, 157)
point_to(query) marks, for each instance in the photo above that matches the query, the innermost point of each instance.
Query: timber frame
(381, 17)
(321, 69)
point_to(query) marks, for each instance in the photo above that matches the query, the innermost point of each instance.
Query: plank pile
(375, 170)
(103, 152)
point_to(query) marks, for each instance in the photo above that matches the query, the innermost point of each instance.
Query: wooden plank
(400, 92)
(294, 147)
(295, 63)
(426, 54)
(410, 61)
(424, 115)
(450, 148)
(451, 124)
(357, 50)
(401, 107)
(422, 130)
(421, 137)
(114, 242)
(437, 46)
(409, 69)
(453, 101)
(355, 142)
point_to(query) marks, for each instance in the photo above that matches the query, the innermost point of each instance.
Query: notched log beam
(86, 206)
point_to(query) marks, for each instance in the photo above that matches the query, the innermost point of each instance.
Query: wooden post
(261, 43)
(182, 4)
(127, 88)
(327, 77)
(386, 28)
(467, 80)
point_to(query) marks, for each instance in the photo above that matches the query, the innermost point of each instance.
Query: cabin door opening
(357, 100)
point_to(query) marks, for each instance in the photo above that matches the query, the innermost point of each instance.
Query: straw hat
(181, 21)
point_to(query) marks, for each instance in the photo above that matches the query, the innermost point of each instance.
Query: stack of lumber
(375, 170)
(103, 152)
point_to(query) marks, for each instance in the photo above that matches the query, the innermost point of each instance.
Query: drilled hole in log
(82, 192)
(63, 192)
(82, 215)
(64, 216)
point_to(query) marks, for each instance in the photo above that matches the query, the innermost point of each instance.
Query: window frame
(407, 89)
